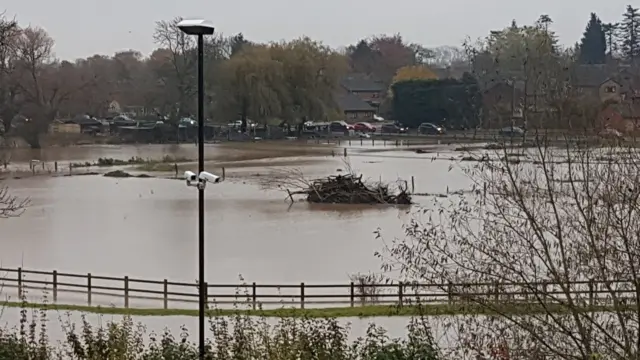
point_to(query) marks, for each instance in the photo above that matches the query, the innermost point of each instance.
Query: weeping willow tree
(290, 80)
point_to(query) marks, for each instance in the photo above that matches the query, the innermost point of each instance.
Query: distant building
(365, 87)
(353, 107)
(607, 83)
(623, 117)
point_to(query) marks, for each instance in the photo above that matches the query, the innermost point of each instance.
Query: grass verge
(337, 312)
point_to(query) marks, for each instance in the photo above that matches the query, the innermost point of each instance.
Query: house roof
(591, 75)
(349, 102)
(361, 82)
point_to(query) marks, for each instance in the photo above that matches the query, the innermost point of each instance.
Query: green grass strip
(338, 312)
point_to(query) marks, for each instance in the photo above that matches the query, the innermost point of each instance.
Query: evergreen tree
(593, 45)
(611, 34)
(630, 34)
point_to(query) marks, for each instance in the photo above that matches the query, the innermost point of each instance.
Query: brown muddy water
(147, 228)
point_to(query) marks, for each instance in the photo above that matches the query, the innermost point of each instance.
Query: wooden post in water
(55, 166)
(224, 173)
(413, 184)
(175, 168)
(345, 152)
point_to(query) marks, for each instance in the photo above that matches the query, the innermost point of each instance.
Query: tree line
(291, 81)
(604, 41)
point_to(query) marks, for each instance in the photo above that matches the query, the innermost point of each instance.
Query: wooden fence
(89, 287)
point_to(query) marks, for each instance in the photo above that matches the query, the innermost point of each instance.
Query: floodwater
(147, 228)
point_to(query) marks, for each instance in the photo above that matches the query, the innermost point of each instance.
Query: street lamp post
(200, 28)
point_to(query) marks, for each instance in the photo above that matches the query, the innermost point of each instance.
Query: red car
(364, 127)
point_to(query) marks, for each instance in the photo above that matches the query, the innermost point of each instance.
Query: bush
(238, 337)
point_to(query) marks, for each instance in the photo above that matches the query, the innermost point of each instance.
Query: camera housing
(191, 178)
(209, 177)
(200, 181)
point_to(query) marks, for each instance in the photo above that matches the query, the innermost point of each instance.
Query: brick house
(365, 87)
(622, 117)
(606, 82)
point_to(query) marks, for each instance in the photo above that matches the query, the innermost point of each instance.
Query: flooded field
(147, 228)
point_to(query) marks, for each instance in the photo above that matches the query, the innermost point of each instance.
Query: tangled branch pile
(350, 189)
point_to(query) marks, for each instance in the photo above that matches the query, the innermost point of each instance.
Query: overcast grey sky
(85, 27)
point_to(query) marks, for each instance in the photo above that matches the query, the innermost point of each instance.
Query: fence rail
(89, 287)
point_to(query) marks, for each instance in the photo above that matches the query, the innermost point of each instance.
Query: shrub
(238, 337)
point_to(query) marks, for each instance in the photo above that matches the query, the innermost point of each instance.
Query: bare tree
(548, 245)
(9, 102)
(178, 70)
(11, 206)
(45, 83)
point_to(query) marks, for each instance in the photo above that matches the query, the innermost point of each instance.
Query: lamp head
(196, 27)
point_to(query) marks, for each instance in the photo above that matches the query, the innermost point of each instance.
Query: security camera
(191, 177)
(209, 177)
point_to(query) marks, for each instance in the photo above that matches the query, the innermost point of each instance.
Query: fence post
(450, 292)
(20, 283)
(166, 294)
(254, 295)
(591, 292)
(413, 184)
(55, 166)
(206, 295)
(345, 152)
(55, 286)
(353, 294)
(301, 295)
(224, 173)
(126, 292)
(373, 142)
(89, 289)
(400, 293)
(496, 291)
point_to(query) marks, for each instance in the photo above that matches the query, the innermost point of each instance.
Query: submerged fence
(89, 289)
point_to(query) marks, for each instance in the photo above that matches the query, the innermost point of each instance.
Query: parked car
(430, 129)
(393, 129)
(338, 126)
(610, 133)
(364, 127)
(511, 131)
